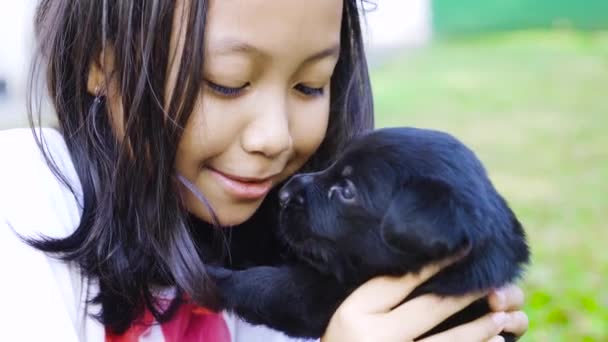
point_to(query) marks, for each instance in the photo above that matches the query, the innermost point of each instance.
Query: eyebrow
(233, 46)
(333, 51)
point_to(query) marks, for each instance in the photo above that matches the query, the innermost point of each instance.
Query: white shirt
(43, 299)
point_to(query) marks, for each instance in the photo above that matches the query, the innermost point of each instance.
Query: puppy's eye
(345, 192)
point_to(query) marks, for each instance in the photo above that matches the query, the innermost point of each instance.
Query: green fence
(458, 17)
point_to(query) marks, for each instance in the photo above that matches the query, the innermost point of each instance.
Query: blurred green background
(477, 16)
(531, 98)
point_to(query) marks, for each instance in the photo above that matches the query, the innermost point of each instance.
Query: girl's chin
(230, 214)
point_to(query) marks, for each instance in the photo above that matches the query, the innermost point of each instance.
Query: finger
(508, 298)
(481, 329)
(381, 294)
(436, 309)
(497, 338)
(518, 323)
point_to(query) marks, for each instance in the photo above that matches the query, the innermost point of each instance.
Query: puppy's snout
(284, 197)
(293, 190)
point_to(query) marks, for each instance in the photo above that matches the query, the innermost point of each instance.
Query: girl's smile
(244, 188)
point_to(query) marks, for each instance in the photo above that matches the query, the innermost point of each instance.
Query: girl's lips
(250, 189)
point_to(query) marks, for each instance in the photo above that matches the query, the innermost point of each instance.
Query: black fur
(396, 200)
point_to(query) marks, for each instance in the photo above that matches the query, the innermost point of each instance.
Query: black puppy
(397, 200)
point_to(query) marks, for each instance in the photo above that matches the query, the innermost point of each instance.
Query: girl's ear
(424, 219)
(102, 81)
(100, 71)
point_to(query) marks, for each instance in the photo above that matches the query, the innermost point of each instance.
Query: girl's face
(264, 108)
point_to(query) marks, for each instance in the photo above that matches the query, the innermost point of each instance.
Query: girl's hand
(369, 313)
(510, 299)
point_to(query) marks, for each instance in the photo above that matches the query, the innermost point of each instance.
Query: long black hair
(134, 232)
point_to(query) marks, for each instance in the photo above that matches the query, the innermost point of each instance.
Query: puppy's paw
(218, 273)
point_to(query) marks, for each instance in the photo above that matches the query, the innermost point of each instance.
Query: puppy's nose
(292, 190)
(284, 197)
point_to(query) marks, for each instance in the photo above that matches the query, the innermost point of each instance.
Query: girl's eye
(309, 91)
(226, 91)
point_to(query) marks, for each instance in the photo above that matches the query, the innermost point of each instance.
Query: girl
(177, 118)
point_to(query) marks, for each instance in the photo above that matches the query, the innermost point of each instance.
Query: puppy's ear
(424, 219)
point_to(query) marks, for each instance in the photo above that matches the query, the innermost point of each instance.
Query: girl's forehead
(273, 28)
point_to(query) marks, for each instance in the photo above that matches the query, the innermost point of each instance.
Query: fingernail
(501, 298)
(500, 318)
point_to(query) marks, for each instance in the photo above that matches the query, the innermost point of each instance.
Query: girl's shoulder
(43, 298)
(32, 198)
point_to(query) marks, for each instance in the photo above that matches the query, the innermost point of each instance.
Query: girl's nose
(268, 131)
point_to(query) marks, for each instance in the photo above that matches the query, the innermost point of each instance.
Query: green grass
(534, 106)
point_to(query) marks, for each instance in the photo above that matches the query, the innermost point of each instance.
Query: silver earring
(98, 96)
(96, 102)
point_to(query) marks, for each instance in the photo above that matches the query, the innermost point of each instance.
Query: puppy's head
(394, 201)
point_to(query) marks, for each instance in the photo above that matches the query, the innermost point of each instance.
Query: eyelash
(309, 91)
(234, 92)
(226, 91)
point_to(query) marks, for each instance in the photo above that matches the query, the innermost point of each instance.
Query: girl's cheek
(309, 126)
